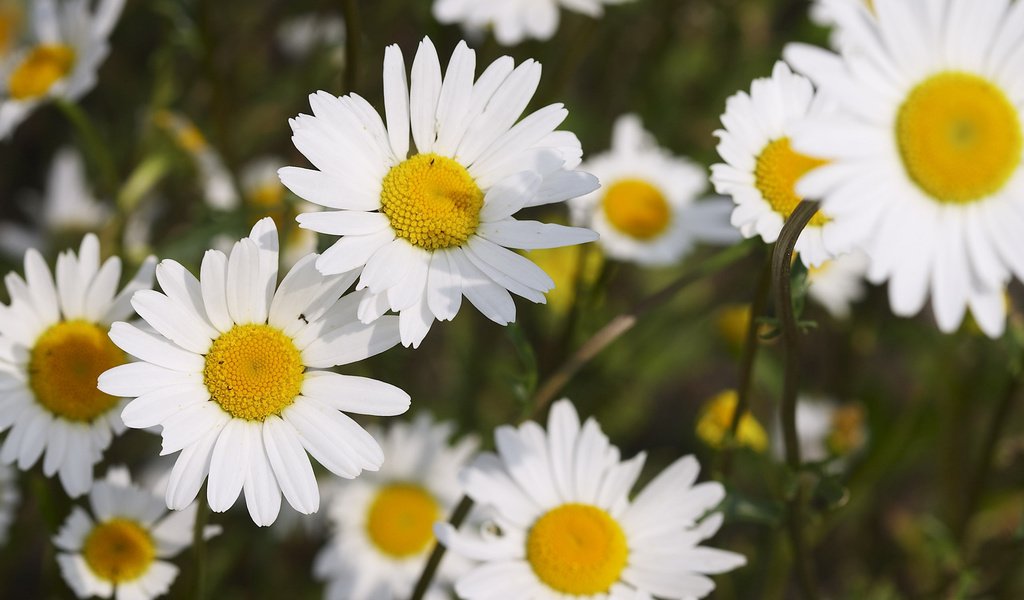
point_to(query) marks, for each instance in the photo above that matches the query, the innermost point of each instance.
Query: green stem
(97, 151)
(353, 25)
(750, 346)
(434, 561)
(781, 265)
(199, 544)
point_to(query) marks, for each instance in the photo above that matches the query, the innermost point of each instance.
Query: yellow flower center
(253, 371)
(847, 434)
(715, 423)
(44, 66)
(267, 195)
(778, 169)
(431, 201)
(959, 137)
(65, 363)
(636, 208)
(119, 550)
(577, 549)
(401, 519)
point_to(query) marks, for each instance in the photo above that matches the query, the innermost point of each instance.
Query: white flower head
(431, 226)
(122, 546)
(67, 205)
(69, 44)
(646, 210)
(761, 168)
(383, 522)
(564, 526)
(53, 346)
(924, 151)
(514, 20)
(298, 36)
(838, 283)
(234, 373)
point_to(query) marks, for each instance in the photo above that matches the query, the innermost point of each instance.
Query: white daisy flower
(218, 188)
(826, 430)
(564, 525)
(70, 43)
(67, 206)
(514, 20)
(298, 36)
(646, 210)
(383, 522)
(431, 227)
(122, 547)
(821, 13)
(838, 283)
(234, 374)
(53, 346)
(761, 168)
(10, 496)
(925, 151)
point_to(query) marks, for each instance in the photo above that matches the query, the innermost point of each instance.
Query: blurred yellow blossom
(715, 420)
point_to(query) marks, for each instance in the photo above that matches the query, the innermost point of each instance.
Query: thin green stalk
(199, 544)
(353, 27)
(95, 149)
(591, 348)
(782, 261)
(750, 346)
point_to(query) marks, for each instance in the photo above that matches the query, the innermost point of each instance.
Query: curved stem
(782, 261)
(591, 348)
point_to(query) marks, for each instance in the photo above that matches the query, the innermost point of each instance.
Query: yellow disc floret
(401, 519)
(577, 549)
(431, 201)
(44, 66)
(253, 371)
(778, 169)
(636, 208)
(65, 363)
(119, 550)
(959, 137)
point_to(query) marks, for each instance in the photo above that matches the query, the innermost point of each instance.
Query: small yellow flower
(715, 420)
(563, 266)
(848, 432)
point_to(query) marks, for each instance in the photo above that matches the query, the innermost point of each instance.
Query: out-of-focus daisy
(69, 44)
(122, 546)
(715, 422)
(646, 210)
(66, 208)
(514, 20)
(234, 375)
(567, 266)
(265, 196)
(924, 151)
(761, 167)
(821, 13)
(218, 189)
(53, 346)
(298, 36)
(838, 283)
(384, 522)
(10, 496)
(433, 226)
(564, 525)
(826, 430)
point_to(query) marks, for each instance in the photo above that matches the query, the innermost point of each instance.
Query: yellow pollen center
(577, 549)
(119, 550)
(44, 66)
(959, 137)
(778, 169)
(65, 363)
(431, 201)
(253, 371)
(401, 519)
(636, 208)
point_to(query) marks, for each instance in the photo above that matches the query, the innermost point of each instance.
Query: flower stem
(434, 561)
(199, 543)
(781, 265)
(93, 144)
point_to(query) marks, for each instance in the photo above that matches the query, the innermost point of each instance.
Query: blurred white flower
(838, 283)
(514, 20)
(298, 36)
(219, 190)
